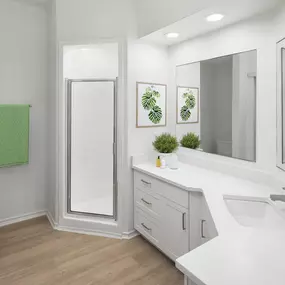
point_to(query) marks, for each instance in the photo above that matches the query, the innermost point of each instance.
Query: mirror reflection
(216, 99)
(283, 101)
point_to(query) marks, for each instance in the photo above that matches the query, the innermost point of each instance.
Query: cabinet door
(207, 225)
(175, 229)
(202, 225)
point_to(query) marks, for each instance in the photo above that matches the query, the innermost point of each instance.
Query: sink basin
(256, 214)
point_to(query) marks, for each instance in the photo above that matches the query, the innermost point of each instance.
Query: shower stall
(90, 75)
(91, 148)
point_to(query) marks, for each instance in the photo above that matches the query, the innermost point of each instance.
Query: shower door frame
(69, 83)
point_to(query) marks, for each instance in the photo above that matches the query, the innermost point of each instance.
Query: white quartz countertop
(239, 255)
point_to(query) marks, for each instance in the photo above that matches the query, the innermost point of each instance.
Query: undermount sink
(255, 214)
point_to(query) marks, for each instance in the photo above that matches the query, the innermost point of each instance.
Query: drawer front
(154, 186)
(144, 182)
(146, 226)
(147, 202)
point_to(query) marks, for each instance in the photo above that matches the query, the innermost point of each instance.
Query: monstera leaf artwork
(185, 113)
(148, 101)
(187, 101)
(190, 101)
(155, 114)
(151, 108)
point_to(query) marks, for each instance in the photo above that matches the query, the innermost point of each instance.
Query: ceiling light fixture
(172, 35)
(215, 17)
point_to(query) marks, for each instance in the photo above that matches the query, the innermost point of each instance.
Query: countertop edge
(189, 189)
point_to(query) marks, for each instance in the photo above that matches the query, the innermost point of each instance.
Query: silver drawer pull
(145, 182)
(146, 202)
(148, 229)
(202, 228)
(183, 221)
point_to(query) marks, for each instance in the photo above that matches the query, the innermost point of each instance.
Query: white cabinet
(207, 225)
(176, 230)
(202, 227)
(174, 220)
(162, 214)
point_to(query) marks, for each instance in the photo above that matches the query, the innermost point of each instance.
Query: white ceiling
(196, 24)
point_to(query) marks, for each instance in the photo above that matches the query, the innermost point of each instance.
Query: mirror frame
(280, 45)
(256, 98)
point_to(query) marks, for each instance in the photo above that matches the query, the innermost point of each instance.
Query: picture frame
(187, 105)
(151, 105)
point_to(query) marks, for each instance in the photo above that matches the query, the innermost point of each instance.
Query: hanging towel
(14, 134)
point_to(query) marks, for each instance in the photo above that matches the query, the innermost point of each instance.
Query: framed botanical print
(151, 105)
(187, 105)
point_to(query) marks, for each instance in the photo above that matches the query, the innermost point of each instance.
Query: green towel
(14, 134)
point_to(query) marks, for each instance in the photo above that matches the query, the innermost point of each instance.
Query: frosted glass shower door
(92, 135)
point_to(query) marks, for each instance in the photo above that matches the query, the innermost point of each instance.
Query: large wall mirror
(281, 104)
(222, 110)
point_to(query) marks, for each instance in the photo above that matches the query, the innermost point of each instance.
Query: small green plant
(165, 143)
(190, 140)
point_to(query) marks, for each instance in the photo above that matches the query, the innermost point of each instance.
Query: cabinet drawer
(147, 202)
(154, 186)
(144, 182)
(146, 226)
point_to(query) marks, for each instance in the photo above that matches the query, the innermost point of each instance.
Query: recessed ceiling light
(172, 35)
(215, 17)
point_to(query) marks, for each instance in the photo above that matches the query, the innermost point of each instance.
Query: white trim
(88, 232)
(55, 226)
(51, 220)
(130, 235)
(18, 219)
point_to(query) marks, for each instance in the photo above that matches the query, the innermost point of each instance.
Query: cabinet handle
(145, 182)
(183, 221)
(146, 202)
(148, 229)
(202, 228)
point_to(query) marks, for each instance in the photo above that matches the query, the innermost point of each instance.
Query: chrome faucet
(280, 197)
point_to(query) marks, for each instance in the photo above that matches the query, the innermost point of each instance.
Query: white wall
(23, 79)
(258, 33)
(188, 76)
(93, 19)
(279, 24)
(91, 61)
(146, 63)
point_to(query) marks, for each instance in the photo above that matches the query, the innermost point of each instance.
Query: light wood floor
(32, 253)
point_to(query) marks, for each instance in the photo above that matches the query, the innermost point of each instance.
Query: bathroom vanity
(180, 210)
(172, 218)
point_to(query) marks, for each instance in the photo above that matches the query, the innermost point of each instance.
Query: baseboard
(22, 218)
(51, 220)
(130, 235)
(55, 226)
(88, 232)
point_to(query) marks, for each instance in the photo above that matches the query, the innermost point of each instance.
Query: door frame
(123, 226)
(280, 46)
(69, 84)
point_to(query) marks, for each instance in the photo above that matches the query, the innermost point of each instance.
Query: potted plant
(190, 140)
(165, 144)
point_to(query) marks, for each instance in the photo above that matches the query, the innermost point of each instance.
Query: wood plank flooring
(32, 253)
